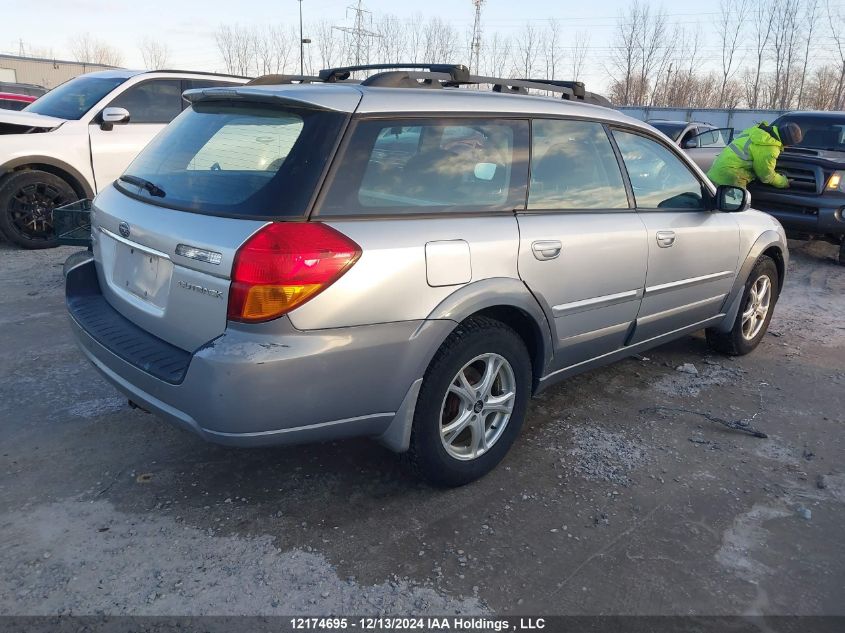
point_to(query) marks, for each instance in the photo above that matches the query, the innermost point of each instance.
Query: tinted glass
(12, 104)
(825, 132)
(672, 130)
(659, 179)
(713, 138)
(238, 159)
(574, 167)
(156, 101)
(74, 98)
(431, 166)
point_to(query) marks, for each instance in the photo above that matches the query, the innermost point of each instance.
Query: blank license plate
(137, 272)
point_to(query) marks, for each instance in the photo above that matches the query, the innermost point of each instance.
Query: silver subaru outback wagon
(406, 259)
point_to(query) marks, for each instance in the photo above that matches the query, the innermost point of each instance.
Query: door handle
(665, 239)
(546, 249)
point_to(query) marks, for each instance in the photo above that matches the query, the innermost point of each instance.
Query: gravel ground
(620, 497)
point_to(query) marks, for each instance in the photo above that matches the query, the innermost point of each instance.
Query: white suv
(78, 138)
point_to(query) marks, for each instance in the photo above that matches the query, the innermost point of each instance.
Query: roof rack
(414, 75)
(269, 80)
(458, 73)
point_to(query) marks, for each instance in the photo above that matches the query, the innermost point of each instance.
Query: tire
(842, 252)
(747, 332)
(476, 346)
(27, 200)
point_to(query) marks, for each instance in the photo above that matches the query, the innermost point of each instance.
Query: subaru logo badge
(123, 227)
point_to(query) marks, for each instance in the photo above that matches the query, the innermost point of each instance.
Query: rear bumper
(266, 384)
(808, 213)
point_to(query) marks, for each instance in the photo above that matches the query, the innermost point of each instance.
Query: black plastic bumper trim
(89, 308)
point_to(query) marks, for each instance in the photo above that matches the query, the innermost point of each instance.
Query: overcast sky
(188, 26)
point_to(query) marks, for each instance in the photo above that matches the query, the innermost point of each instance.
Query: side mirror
(111, 116)
(732, 199)
(691, 143)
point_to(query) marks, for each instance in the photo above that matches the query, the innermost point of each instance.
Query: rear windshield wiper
(152, 188)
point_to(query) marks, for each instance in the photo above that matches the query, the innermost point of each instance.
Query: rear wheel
(27, 200)
(756, 309)
(472, 403)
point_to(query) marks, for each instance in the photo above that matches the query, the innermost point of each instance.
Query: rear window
(427, 166)
(237, 159)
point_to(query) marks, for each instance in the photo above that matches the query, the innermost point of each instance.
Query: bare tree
(784, 43)
(87, 49)
(810, 20)
(835, 20)
(390, 45)
(762, 28)
(580, 47)
(497, 55)
(154, 53)
(624, 56)
(528, 44)
(732, 16)
(551, 48)
(236, 45)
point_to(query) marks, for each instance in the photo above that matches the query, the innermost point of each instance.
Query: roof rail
(273, 79)
(458, 73)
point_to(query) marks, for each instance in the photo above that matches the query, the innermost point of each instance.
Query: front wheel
(27, 200)
(842, 252)
(756, 309)
(472, 403)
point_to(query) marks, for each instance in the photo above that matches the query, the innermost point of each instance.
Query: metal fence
(738, 119)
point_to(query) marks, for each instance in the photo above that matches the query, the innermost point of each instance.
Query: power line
(358, 32)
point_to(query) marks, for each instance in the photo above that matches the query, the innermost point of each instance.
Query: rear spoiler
(304, 96)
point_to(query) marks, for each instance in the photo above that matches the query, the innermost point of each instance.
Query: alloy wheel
(757, 308)
(477, 406)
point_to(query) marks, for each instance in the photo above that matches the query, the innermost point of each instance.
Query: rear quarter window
(425, 166)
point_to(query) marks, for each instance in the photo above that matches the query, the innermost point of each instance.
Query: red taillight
(284, 265)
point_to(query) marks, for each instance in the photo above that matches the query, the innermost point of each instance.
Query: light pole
(301, 43)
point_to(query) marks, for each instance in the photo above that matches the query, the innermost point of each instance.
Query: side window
(574, 167)
(154, 101)
(713, 138)
(431, 166)
(659, 179)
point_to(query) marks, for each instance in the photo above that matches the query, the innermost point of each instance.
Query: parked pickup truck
(77, 138)
(814, 203)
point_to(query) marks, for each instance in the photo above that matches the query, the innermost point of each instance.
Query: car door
(583, 249)
(709, 142)
(152, 104)
(692, 250)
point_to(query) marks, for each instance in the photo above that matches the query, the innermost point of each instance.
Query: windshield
(236, 159)
(74, 98)
(672, 130)
(823, 132)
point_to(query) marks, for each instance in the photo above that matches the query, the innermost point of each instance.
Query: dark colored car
(814, 203)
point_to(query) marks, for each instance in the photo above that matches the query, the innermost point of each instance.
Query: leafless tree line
(535, 50)
(772, 54)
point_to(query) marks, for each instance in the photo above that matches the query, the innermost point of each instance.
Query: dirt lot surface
(620, 497)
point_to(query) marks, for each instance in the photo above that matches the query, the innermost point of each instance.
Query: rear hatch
(165, 235)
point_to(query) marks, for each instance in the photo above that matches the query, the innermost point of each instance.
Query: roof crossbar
(267, 80)
(458, 73)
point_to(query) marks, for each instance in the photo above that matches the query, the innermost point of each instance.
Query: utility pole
(358, 32)
(475, 48)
